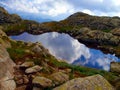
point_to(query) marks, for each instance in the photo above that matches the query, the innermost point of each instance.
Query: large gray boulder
(6, 70)
(6, 64)
(96, 82)
(33, 69)
(59, 78)
(42, 82)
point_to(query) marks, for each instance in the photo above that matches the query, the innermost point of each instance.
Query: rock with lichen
(95, 82)
(59, 78)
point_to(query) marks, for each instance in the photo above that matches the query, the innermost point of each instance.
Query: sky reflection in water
(65, 47)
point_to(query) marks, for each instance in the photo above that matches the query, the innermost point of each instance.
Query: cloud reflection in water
(65, 47)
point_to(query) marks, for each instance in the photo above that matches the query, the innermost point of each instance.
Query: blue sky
(60, 9)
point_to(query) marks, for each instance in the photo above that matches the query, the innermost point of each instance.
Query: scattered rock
(28, 44)
(42, 82)
(115, 67)
(27, 51)
(20, 81)
(33, 69)
(96, 82)
(21, 88)
(27, 64)
(65, 70)
(25, 79)
(36, 88)
(59, 78)
(116, 31)
(37, 49)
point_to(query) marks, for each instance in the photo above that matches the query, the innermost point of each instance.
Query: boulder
(37, 49)
(27, 64)
(59, 78)
(42, 82)
(115, 67)
(33, 69)
(6, 70)
(96, 82)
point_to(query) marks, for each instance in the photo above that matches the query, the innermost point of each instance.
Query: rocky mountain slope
(29, 66)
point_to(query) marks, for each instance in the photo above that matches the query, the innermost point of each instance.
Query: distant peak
(78, 14)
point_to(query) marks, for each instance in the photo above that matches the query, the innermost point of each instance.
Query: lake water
(63, 46)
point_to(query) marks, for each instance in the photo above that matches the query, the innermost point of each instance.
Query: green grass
(16, 53)
(85, 70)
(65, 28)
(91, 71)
(107, 30)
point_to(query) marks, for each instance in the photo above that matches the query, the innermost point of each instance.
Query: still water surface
(63, 46)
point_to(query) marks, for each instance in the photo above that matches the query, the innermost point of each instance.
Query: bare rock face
(6, 70)
(115, 67)
(4, 40)
(6, 64)
(96, 82)
(59, 78)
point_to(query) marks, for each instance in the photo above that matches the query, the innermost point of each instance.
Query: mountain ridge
(93, 31)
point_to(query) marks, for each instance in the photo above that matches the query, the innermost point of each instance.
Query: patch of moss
(16, 53)
(106, 30)
(65, 28)
(91, 71)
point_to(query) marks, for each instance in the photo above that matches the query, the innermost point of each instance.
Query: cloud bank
(59, 9)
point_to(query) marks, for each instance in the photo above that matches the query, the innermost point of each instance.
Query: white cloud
(60, 9)
(45, 7)
(116, 3)
(79, 49)
(88, 12)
